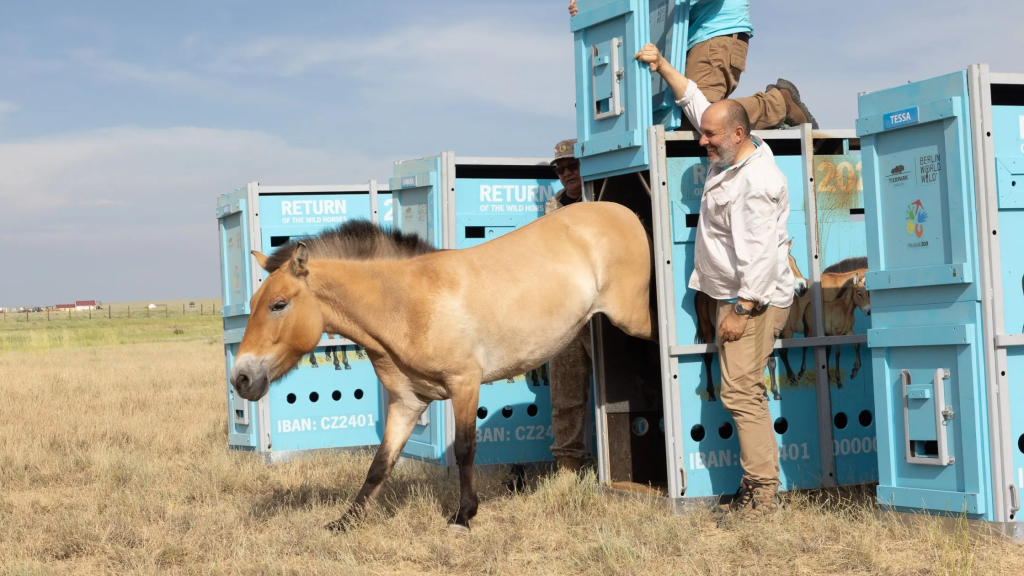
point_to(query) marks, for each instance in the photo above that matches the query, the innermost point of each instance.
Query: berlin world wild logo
(916, 217)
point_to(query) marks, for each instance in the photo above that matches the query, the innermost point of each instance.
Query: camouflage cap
(565, 150)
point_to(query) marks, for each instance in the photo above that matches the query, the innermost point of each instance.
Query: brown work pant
(570, 386)
(716, 64)
(742, 364)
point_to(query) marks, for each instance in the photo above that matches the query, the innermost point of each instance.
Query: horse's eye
(278, 305)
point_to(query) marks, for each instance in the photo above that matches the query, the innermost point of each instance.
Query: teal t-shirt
(713, 18)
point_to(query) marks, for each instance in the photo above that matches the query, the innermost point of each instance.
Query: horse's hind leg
(332, 354)
(312, 359)
(784, 355)
(465, 394)
(344, 357)
(403, 412)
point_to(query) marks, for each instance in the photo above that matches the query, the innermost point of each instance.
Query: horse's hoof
(778, 396)
(458, 528)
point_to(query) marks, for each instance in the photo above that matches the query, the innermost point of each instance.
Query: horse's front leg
(465, 395)
(711, 381)
(839, 375)
(771, 374)
(856, 361)
(403, 412)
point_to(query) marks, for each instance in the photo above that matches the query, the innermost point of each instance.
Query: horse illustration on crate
(837, 319)
(706, 309)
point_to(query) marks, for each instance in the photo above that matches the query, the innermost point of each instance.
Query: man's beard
(725, 157)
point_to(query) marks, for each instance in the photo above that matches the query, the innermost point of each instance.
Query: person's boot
(754, 502)
(796, 112)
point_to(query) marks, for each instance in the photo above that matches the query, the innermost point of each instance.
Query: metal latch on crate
(923, 444)
(423, 420)
(606, 78)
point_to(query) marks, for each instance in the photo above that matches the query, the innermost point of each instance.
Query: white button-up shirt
(742, 247)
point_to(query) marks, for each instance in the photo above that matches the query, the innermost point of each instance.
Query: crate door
(418, 206)
(670, 21)
(613, 91)
(926, 335)
(236, 289)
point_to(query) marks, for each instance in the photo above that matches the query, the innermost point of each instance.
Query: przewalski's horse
(435, 325)
(707, 311)
(838, 315)
(833, 278)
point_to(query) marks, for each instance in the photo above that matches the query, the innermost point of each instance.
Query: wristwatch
(740, 310)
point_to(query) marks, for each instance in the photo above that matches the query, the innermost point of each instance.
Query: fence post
(201, 309)
(129, 311)
(47, 314)
(182, 309)
(90, 313)
(26, 315)
(69, 313)
(109, 313)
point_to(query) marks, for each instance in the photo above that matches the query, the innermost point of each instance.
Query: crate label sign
(899, 118)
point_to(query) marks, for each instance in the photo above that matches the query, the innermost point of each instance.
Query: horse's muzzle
(250, 377)
(800, 288)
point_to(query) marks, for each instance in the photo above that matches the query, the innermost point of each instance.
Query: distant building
(85, 305)
(65, 307)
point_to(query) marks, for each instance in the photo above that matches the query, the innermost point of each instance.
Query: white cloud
(126, 211)
(176, 80)
(7, 107)
(516, 65)
(147, 168)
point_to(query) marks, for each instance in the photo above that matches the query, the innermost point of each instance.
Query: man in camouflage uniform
(570, 368)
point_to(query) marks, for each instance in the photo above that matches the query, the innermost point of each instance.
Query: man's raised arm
(688, 97)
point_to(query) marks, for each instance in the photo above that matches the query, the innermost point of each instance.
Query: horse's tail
(702, 303)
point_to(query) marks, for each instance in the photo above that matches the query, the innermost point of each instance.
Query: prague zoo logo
(916, 217)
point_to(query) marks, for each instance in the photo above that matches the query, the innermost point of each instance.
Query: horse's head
(285, 322)
(800, 285)
(861, 295)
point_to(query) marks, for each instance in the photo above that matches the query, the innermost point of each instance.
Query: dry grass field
(113, 460)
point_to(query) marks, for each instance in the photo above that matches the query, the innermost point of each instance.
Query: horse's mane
(848, 265)
(354, 240)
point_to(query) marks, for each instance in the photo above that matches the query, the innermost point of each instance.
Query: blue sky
(121, 122)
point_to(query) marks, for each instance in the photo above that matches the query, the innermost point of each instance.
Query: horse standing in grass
(437, 324)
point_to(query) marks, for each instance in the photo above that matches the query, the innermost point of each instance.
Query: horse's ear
(299, 260)
(856, 278)
(261, 259)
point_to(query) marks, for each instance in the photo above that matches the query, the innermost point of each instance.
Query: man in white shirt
(741, 261)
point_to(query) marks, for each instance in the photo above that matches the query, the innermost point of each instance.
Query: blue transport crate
(333, 398)
(630, 152)
(943, 175)
(461, 202)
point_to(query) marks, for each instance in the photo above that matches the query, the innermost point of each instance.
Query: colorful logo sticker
(916, 217)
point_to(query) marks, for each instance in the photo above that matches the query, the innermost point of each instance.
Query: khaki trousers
(716, 65)
(570, 386)
(742, 364)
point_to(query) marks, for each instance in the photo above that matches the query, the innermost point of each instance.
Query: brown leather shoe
(796, 112)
